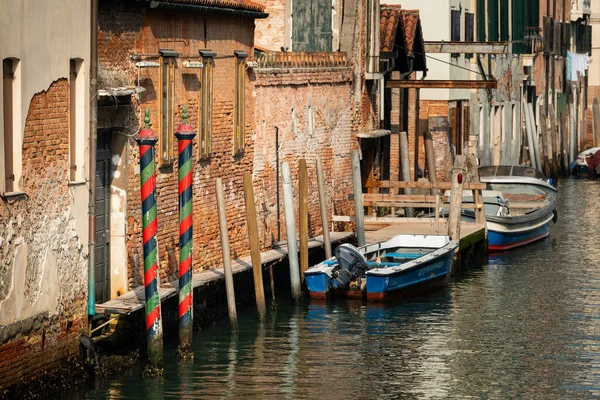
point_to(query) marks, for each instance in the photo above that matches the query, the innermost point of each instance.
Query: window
(455, 29)
(76, 119)
(166, 121)
(205, 114)
(11, 115)
(240, 91)
(469, 30)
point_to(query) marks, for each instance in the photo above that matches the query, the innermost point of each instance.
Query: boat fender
(555, 216)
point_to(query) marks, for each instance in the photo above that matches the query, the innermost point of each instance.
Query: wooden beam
(440, 84)
(424, 185)
(467, 47)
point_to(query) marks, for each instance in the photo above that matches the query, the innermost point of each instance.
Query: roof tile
(247, 5)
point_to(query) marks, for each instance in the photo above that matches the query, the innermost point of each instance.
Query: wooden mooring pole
(359, 212)
(596, 126)
(226, 256)
(185, 134)
(259, 290)
(323, 207)
(429, 153)
(405, 168)
(146, 140)
(290, 230)
(303, 215)
(456, 195)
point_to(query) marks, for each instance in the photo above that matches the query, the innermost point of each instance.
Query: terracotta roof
(410, 20)
(393, 16)
(390, 17)
(246, 5)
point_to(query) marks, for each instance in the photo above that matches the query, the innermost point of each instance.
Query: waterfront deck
(134, 299)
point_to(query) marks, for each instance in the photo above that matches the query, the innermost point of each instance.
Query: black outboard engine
(352, 264)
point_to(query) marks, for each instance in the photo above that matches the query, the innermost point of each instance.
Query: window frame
(205, 104)
(166, 150)
(11, 133)
(239, 118)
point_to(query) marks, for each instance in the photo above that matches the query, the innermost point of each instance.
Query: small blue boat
(405, 264)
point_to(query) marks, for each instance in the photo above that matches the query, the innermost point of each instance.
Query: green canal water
(525, 325)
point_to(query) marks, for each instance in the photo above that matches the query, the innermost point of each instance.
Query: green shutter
(504, 36)
(481, 21)
(518, 27)
(493, 20)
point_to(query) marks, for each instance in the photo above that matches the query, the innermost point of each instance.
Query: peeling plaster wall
(494, 150)
(44, 230)
(43, 253)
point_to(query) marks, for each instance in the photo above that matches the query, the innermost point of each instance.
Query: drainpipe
(92, 155)
(411, 59)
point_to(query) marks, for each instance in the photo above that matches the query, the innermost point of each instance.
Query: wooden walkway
(134, 299)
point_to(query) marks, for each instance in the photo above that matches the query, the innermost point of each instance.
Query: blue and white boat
(405, 264)
(515, 219)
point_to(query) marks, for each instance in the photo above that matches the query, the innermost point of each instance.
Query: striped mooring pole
(146, 140)
(185, 135)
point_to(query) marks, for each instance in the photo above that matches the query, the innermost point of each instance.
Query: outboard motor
(352, 264)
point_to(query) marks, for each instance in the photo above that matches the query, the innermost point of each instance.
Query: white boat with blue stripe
(405, 264)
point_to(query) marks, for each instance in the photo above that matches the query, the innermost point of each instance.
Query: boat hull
(419, 276)
(506, 240)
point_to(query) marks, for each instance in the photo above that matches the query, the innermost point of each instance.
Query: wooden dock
(134, 299)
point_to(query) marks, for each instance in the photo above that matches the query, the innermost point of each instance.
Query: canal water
(525, 325)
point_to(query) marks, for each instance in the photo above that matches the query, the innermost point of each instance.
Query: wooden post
(554, 139)
(259, 290)
(431, 171)
(226, 256)
(530, 133)
(303, 215)
(437, 211)
(458, 175)
(535, 132)
(290, 230)
(572, 134)
(545, 145)
(405, 168)
(596, 111)
(358, 202)
(564, 153)
(323, 206)
(473, 169)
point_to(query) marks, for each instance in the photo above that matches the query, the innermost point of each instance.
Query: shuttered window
(481, 37)
(240, 91)
(167, 104)
(205, 101)
(311, 25)
(455, 28)
(469, 30)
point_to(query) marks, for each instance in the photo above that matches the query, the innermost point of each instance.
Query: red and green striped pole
(185, 135)
(146, 140)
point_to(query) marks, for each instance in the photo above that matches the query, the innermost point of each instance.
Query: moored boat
(516, 219)
(587, 163)
(405, 264)
(515, 179)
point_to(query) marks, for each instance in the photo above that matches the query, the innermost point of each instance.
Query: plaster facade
(43, 221)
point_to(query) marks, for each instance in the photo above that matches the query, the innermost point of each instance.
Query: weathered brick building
(43, 189)
(175, 53)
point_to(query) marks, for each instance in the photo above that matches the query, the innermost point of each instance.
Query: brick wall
(434, 116)
(270, 31)
(311, 109)
(47, 316)
(124, 33)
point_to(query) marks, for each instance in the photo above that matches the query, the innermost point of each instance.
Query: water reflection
(527, 325)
